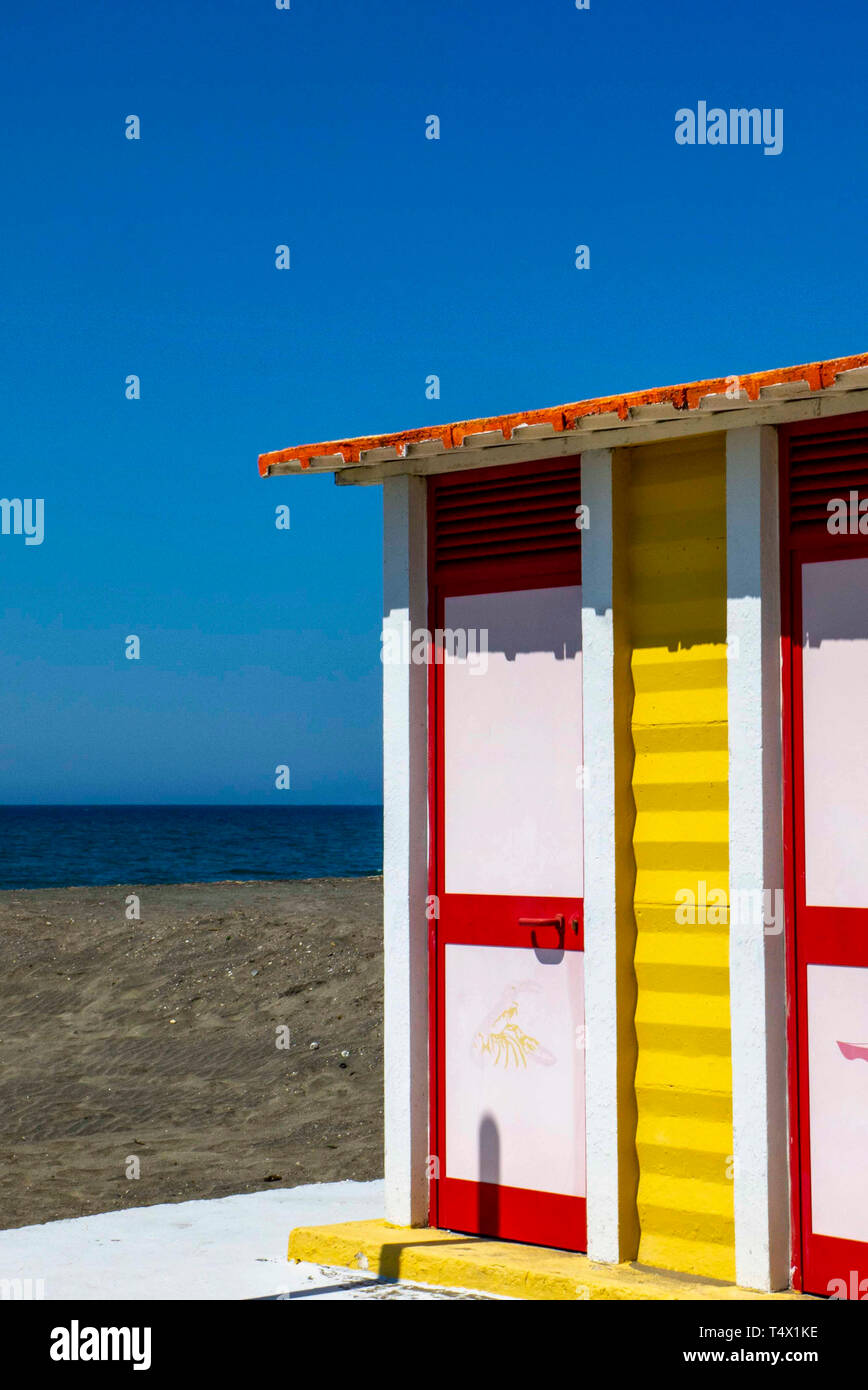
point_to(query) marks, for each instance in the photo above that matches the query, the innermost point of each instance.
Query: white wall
(601, 1002)
(405, 855)
(757, 965)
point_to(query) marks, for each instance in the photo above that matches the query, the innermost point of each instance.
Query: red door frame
(814, 935)
(535, 1217)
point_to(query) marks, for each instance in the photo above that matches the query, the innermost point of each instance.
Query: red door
(825, 609)
(507, 945)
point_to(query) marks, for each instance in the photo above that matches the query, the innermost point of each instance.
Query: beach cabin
(625, 664)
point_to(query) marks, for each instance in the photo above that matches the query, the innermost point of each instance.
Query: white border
(405, 857)
(757, 966)
(601, 999)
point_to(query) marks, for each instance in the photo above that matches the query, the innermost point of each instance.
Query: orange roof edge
(687, 396)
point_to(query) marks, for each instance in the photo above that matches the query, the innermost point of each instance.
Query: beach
(147, 1060)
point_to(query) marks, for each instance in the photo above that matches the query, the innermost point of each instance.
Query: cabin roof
(832, 386)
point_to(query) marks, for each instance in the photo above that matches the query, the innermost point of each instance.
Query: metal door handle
(557, 921)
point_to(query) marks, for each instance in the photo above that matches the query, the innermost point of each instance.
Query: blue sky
(409, 257)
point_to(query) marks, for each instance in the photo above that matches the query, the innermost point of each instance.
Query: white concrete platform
(229, 1248)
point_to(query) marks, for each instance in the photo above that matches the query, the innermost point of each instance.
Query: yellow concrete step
(688, 1134)
(698, 668)
(658, 883)
(676, 825)
(431, 1256)
(686, 1200)
(660, 918)
(706, 1257)
(684, 1203)
(683, 946)
(663, 708)
(700, 1072)
(684, 767)
(681, 739)
(660, 772)
(684, 1012)
(708, 1046)
(664, 1102)
(703, 980)
(702, 1165)
(698, 798)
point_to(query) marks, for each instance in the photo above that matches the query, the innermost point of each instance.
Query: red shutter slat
(822, 461)
(523, 512)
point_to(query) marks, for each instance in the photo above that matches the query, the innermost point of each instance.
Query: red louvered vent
(824, 461)
(513, 513)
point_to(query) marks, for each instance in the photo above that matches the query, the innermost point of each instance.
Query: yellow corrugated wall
(676, 585)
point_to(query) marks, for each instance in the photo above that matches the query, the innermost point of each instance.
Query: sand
(155, 1040)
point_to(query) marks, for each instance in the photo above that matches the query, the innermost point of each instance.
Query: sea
(65, 846)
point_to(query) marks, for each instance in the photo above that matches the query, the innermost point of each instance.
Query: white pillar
(601, 996)
(756, 961)
(405, 855)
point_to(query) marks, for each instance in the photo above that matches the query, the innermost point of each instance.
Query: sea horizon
(80, 844)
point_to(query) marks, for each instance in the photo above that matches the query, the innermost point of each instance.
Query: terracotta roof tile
(660, 403)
